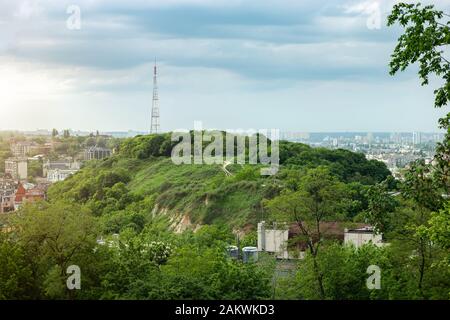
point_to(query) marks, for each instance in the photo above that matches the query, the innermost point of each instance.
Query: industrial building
(286, 241)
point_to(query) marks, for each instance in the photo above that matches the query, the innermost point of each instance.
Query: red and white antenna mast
(155, 103)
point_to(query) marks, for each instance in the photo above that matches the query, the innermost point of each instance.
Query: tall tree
(420, 189)
(54, 133)
(424, 41)
(381, 205)
(55, 236)
(320, 197)
(426, 36)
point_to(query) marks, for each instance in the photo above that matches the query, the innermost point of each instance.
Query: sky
(308, 66)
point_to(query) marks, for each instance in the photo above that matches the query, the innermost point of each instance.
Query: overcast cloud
(293, 65)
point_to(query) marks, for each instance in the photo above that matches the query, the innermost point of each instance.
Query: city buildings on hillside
(395, 149)
(28, 148)
(7, 193)
(23, 195)
(96, 153)
(13, 194)
(6, 201)
(286, 241)
(17, 168)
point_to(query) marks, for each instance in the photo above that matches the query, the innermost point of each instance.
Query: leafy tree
(344, 272)
(194, 273)
(35, 168)
(55, 236)
(442, 157)
(320, 198)
(426, 36)
(134, 267)
(427, 33)
(15, 274)
(381, 205)
(439, 230)
(420, 187)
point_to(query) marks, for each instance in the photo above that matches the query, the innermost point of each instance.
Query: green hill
(140, 183)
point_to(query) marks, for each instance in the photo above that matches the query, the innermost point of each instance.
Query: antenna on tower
(154, 128)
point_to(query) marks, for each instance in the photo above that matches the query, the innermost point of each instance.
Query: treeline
(348, 165)
(153, 264)
(156, 263)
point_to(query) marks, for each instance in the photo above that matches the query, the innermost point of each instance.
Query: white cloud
(263, 68)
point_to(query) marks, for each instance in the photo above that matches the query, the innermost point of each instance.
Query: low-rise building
(274, 240)
(58, 170)
(96, 153)
(286, 241)
(56, 175)
(361, 236)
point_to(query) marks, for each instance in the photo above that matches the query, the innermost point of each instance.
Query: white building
(362, 236)
(59, 170)
(61, 165)
(55, 175)
(273, 240)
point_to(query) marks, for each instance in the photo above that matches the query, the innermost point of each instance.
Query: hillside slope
(140, 183)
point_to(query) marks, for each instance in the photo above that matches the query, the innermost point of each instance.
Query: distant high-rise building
(417, 138)
(21, 149)
(154, 128)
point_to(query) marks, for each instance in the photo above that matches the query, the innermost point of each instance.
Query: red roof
(20, 193)
(332, 230)
(32, 194)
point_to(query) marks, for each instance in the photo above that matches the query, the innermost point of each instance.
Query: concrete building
(17, 168)
(362, 236)
(287, 241)
(273, 239)
(96, 153)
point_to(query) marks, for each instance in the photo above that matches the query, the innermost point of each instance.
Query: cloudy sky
(295, 65)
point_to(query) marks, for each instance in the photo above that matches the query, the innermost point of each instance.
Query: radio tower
(155, 104)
